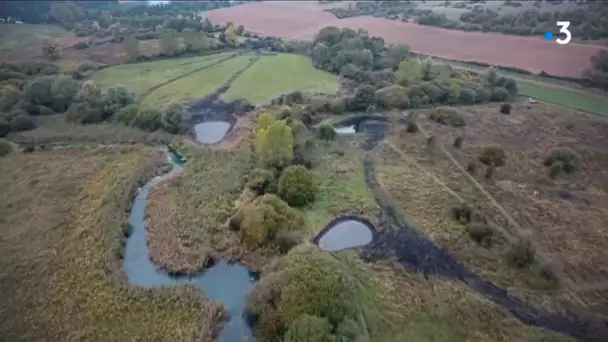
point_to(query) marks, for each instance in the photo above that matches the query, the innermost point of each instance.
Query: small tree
(297, 186)
(127, 114)
(458, 141)
(274, 144)
(493, 156)
(564, 157)
(505, 108)
(231, 36)
(131, 46)
(327, 132)
(50, 49)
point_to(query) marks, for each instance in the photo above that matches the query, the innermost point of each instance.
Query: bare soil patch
(526, 53)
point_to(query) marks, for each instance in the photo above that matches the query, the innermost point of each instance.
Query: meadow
(61, 266)
(570, 98)
(22, 36)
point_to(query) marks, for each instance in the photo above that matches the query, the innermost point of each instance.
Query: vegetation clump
(262, 181)
(447, 116)
(493, 156)
(563, 159)
(5, 147)
(481, 233)
(307, 286)
(297, 186)
(327, 132)
(265, 217)
(274, 141)
(521, 253)
(505, 108)
(462, 213)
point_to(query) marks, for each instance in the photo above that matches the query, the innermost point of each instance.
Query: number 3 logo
(564, 29)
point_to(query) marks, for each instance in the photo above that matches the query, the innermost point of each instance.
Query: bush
(22, 122)
(521, 253)
(568, 159)
(5, 147)
(482, 95)
(505, 108)
(81, 45)
(262, 181)
(393, 96)
(265, 217)
(10, 96)
(555, 169)
(297, 186)
(458, 142)
(337, 106)
(411, 127)
(127, 114)
(5, 127)
(499, 94)
(471, 167)
(148, 119)
(467, 96)
(462, 213)
(285, 241)
(481, 233)
(309, 328)
(327, 132)
(493, 156)
(447, 116)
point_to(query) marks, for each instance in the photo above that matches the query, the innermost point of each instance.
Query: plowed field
(528, 53)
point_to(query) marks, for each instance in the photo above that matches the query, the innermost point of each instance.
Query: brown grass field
(61, 215)
(569, 233)
(527, 53)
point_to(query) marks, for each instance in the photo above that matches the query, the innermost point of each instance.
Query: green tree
(327, 132)
(131, 46)
(274, 145)
(231, 36)
(66, 13)
(264, 121)
(169, 43)
(127, 114)
(172, 118)
(297, 186)
(409, 72)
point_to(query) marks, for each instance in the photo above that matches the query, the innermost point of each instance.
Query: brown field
(61, 277)
(528, 53)
(570, 233)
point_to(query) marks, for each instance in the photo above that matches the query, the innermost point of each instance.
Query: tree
(66, 13)
(297, 186)
(127, 114)
(398, 53)
(393, 96)
(50, 49)
(206, 25)
(409, 71)
(231, 37)
(194, 41)
(131, 45)
(172, 118)
(274, 145)
(239, 30)
(327, 132)
(169, 44)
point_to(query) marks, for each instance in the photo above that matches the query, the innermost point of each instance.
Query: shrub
(309, 328)
(467, 96)
(337, 106)
(499, 94)
(10, 96)
(521, 253)
(262, 181)
(22, 122)
(482, 95)
(493, 156)
(481, 233)
(471, 167)
(447, 116)
(458, 142)
(265, 217)
(172, 118)
(569, 159)
(297, 186)
(5, 147)
(555, 169)
(327, 132)
(148, 119)
(127, 114)
(411, 127)
(505, 108)
(5, 127)
(393, 96)
(285, 241)
(462, 213)
(81, 45)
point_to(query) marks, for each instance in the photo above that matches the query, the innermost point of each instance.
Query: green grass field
(579, 100)
(272, 76)
(197, 85)
(22, 36)
(140, 77)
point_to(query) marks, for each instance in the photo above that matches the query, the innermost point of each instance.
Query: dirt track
(528, 53)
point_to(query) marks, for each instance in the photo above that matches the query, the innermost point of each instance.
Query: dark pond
(369, 124)
(345, 232)
(224, 282)
(210, 132)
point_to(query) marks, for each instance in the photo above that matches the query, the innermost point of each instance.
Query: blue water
(224, 282)
(345, 234)
(210, 132)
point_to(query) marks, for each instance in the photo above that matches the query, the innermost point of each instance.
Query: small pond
(210, 132)
(342, 130)
(225, 282)
(369, 124)
(345, 232)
